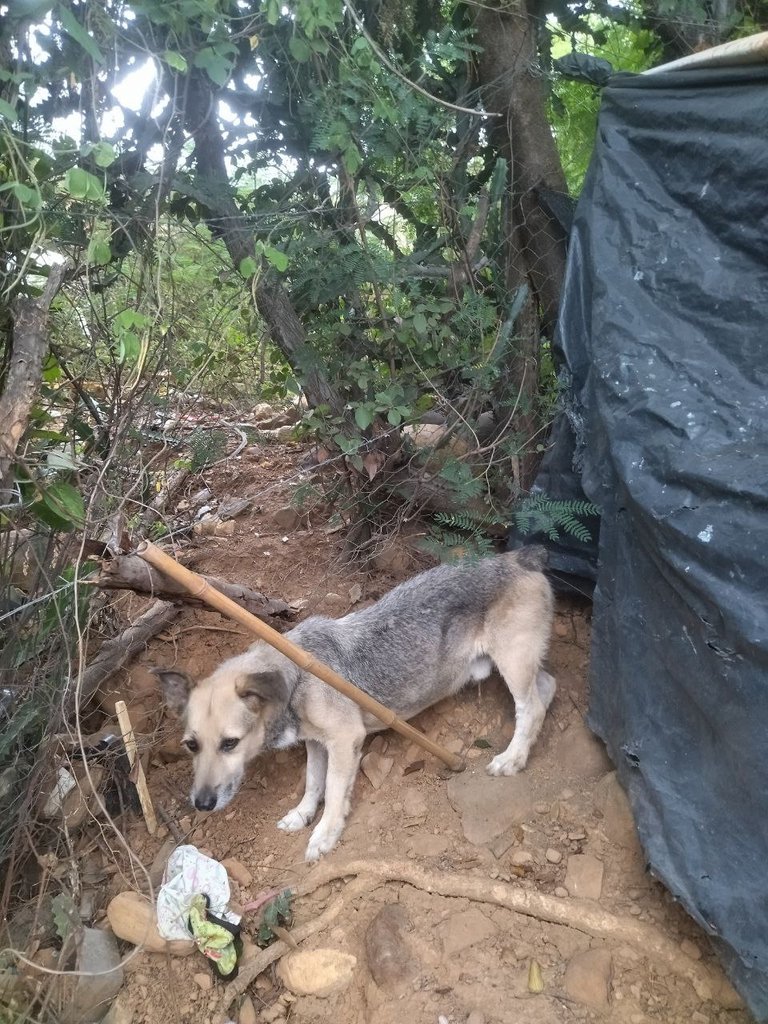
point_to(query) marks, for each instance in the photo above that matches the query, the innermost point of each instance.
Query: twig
(135, 762)
(583, 915)
(169, 823)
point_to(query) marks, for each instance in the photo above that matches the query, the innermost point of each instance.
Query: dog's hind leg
(303, 815)
(343, 761)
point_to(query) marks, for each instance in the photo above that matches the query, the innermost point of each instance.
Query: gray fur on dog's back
(417, 643)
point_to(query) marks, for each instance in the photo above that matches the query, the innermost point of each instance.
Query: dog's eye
(229, 744)
(192, 745)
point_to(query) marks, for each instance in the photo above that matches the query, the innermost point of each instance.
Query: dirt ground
(562, 828)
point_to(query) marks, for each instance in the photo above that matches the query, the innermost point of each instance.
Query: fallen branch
(129, 572)
(581, 915)
(250, 970)
(116, 652)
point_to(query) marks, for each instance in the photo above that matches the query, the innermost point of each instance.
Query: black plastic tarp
(664, 339)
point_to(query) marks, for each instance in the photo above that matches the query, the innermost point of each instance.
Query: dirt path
(562, 828)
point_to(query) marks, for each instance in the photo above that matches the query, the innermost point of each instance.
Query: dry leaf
(373, 462)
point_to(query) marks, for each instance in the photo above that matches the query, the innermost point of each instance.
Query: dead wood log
(28, 351)
(129, 572)
(116, 652)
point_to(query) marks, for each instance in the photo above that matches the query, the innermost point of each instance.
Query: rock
(203, 981)
(262, 411)
(428, 435)
(553, 856)
(206, 527)
(393, 558)
(475, 1017)
(231, 508)
(588, 978)
(390, 961)
(132, 918)
(247, 1013)
(376, 767)
(521, 857)
(286, 518)
(690, 949)
(98, 979)
(489, 806)
(618, 823)
(120, 1012)
(561, 892)
(582, 753)
(414, 804)
(316, 972)
(355, 593)
(226, 529)
(561, 628)
(460, 931)
(584, 876)
(237, 871)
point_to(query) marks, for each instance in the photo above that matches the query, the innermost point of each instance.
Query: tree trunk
(534, 244)
(28, 351)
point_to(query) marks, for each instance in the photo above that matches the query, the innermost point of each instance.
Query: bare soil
(469, 961)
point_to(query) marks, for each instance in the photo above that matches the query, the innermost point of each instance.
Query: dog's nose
(205, 800)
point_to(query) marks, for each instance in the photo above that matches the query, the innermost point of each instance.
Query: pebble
(541, 808)
(376, 767)
(588, 978)
(635, 911)
(414, 804)
(554, 856)
(561, 892)
(247, 1013)
(690, 949)
(521, 857)
(475, 1017)
(317, 972)
(567, 794)
(584, 876)
(203, 981)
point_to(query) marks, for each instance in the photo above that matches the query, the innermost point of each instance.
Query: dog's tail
(533, 557)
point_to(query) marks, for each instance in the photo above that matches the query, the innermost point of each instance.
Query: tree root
(581, 915)
(253, 968)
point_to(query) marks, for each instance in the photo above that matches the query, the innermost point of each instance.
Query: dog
(421, 642)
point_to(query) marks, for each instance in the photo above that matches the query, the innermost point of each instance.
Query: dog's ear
(259, 688)
(176, 688)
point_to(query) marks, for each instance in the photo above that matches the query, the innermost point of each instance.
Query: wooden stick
(133, 759)
(203, 590)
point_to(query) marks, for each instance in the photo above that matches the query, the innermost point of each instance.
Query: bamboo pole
(749, 50)
(202, 590)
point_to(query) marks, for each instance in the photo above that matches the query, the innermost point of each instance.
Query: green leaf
(352, 159)
(82, 184)
(216, 65)
(73, 28)
(27, 196)
(175, 60)
(128, 348)
(65, 502)
(273, 11)
(299, 49)
(104, 154)
(65, 916)
(394, 417)
(99, 252)
(363, 416)
(248, 267)
(277, 258)
(420, 323)
(7, 111)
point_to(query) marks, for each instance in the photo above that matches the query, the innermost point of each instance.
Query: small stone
(489, 807)
(567, 794)
(618, 823)
(561, 892)
(247, 1013)
(541, 808)
(376, 767)
(237, 871)
(390, 961)
(584, 876)
(414, 804)
(588, 978)
(690, 949)
(475, 1017)
(226, 529)
(203, 981)
(355, 593)
(577, 835)
(521, 857)
(635, 911)
(316, 972)
(460, 931)
(286, 518)
(553, 856)
(583, 754)
(561, 628)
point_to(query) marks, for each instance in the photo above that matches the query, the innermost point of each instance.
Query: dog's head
(226, 718)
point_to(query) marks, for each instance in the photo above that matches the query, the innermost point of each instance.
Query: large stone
(132, 918)
(618, 822)
(588, 978)
(584, 876)
(316, 972)
(98, 979)
(460, 931)
(489, 806)
(581, 753)
(390, 961)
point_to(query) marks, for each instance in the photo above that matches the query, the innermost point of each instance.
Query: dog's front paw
(319, 844)
(504, 764)
(293, 821)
